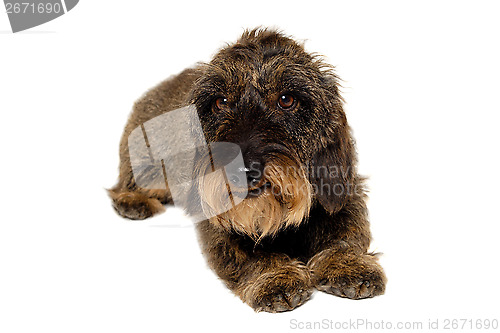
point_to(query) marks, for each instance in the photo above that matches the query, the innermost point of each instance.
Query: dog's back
(169, 95)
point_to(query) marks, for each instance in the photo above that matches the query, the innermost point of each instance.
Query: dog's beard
(283, 201)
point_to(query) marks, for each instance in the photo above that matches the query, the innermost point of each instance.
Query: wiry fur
(309, 228)
(285, 204)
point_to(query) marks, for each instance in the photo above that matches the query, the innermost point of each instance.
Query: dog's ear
(332, 168)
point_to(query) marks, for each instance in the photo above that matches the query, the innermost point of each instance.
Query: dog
(303, 225)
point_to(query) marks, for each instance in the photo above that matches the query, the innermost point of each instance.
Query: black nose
(237, 178)
(252, 179)
(254, 172)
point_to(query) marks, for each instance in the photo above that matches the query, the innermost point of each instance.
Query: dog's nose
(237, 177)
(245, 177)
(254, 173)
(253, 178)
(253, 165)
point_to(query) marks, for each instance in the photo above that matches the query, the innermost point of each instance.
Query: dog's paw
(279, 291)
(349, 275)
(135, 206)
(363, 285)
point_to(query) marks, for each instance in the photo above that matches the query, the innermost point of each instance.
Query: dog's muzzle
(253, 177)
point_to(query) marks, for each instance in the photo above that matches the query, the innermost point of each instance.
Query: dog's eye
(220, 103)
(287, 102)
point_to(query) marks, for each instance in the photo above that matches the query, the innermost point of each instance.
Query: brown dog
(304, 224)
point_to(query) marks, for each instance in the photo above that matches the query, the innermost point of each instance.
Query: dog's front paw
(354, 286)
(135, 206)
(279, 291)
(349, 275)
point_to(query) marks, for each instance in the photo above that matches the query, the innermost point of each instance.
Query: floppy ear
(332, 174)
(332, 167)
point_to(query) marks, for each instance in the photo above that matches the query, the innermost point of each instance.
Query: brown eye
(287, 102)
(220, 103)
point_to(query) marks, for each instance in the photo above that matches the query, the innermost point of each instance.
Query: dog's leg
(346, 273)
(344, 267)
(137, 204)
(274, 283)
(129, 200)
(269, 282)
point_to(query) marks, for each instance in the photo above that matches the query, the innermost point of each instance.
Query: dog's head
(282, 106)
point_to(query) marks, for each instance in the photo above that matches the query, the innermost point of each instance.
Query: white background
(421, 81)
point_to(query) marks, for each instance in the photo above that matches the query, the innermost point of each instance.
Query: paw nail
(350, 292)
